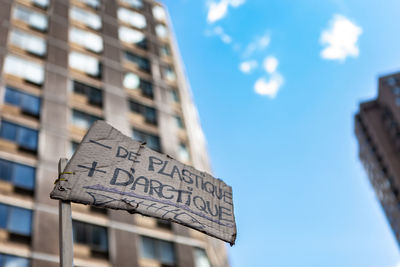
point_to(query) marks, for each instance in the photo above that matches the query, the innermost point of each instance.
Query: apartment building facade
(377, 127)
(65, 64)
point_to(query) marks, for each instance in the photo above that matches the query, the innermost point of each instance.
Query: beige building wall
(58, 127)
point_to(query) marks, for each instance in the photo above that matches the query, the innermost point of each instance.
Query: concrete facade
(58, 129)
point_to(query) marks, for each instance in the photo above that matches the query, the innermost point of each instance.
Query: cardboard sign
(111, 170)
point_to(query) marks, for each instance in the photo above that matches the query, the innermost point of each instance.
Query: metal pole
(65, 226)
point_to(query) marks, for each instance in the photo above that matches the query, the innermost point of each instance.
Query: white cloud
(270, 64)
(219, 31)
(259, 44)
(226, 39)
(248, 66)
(218, 10)
(340, 39)
(236, 3)
(269, 87)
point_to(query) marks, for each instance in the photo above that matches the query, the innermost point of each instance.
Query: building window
(88, 40)
(174, 96)
(95, 4)
(13, 261)
(25, 69)
(141, 62)
(148, 113)
(28, 104)
(132, 18)
(16, 220)
(132, 36)
(133, 82)
(168, 73)
(165, 51)
(200, 258)
(161, 31)
(83, 120)
(28, 42)
(156, 249)
(183, 153)
(85, 63)
(21, 176)
(151, 140)
(133, 3)
(159, 13)
(91, 235)
(26, 138)
(179, 122)
(43, 4)
(34, 19)
(89, 19)
(391, 81)
(94, 95)
(73, 145)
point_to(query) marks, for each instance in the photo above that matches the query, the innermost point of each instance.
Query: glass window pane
(83, 120)
(6, 170)
(179, 122)
(89, 19)
(154, 142)
(27, 138)
(41, 3)
(28, 42)
(141, 62)
(14, 261)
(174, 96)
(8, 131)
(91, 3)
(19, 221)
(147, 88)
(84, 63)
(30, 104)
(165, 51)
(148, 248)
(131, 81)
(25, 69)
(161, 31)
(166, 252)
(200, 258)
(34, 19)
(132, 18)
(151, 115)
(3, 216)
(183, 153)
(159, 13)
(12, 96)
(169, 74)
(80, 232)
(24, 176)
(88, 40)
(99, 238)
(132, 36)
(133, 3)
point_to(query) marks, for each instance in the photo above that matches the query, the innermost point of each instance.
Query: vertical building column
(53, 136)
(123, 248)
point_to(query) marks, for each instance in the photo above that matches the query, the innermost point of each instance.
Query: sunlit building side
(64, 65)
(377, 127)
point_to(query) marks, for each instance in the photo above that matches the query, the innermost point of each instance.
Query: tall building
(377, 128)
(65, 64)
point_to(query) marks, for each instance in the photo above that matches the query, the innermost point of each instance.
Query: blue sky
(277, 84)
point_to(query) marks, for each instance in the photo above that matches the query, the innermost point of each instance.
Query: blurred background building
(65, 64)
(377, 127)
